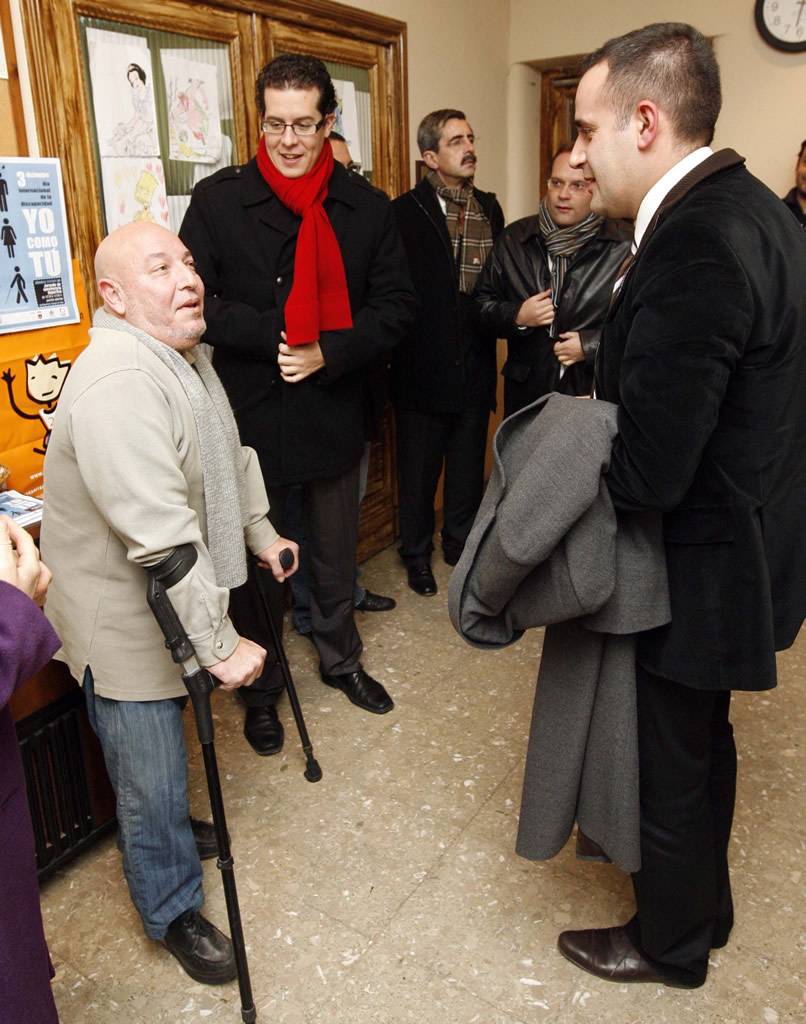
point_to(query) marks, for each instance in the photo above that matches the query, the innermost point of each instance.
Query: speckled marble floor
(390, 891)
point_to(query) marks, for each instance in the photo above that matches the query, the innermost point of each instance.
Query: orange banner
(33, 368)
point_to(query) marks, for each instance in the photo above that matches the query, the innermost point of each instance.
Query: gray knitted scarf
(220, 451)
(562, 243)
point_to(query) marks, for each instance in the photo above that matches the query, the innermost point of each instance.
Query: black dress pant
(331, 521)
(424, 442)
(687, 759)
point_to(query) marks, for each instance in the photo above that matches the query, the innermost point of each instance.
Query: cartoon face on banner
(44, 380)
(33, 368)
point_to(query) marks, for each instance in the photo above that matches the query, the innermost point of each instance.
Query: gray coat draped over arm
(547, 548)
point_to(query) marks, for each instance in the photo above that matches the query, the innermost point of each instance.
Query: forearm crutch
(313, 773)
(200, 684)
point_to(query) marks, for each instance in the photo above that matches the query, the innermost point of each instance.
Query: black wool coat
(243, 240)
(427, 369)
(704, 350)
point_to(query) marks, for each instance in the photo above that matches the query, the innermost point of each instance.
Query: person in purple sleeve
(27, 642)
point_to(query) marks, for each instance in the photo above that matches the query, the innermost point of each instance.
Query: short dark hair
(802, 147)
(565, 147)
(430, 130)
(670, 63)
(295, 71)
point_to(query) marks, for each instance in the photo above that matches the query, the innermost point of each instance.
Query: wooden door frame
(555, 127)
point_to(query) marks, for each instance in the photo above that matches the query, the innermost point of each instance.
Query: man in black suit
(442, 375)
(704, 350)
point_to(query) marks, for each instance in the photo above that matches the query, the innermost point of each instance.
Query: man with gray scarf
(145, 456)
(546, 287)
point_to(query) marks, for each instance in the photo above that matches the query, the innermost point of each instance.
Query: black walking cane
(313, 773)
(200, 684)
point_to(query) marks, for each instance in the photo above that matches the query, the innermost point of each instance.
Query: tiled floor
(390, 891)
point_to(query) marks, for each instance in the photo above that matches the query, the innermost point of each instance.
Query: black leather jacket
(518, 268)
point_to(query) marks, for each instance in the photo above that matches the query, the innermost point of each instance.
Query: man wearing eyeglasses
(306, 284)
(546, 287)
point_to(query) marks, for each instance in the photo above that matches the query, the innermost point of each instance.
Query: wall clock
(782, 23)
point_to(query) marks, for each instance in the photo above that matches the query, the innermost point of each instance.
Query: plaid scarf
(562, 243)
(468, 228)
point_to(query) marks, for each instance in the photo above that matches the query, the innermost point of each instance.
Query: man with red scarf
(306, 284)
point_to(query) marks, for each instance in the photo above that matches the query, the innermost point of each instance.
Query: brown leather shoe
(609, 954)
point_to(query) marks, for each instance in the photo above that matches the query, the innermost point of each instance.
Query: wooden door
(558, 92)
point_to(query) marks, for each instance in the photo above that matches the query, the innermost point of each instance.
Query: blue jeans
(146, 760)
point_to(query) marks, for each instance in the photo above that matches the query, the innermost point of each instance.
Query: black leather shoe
(264, 730)
(421, 580)
(204, 951)
(375, 603)
(364, 691)
(204, 834)
(451, 557)
(609, 954)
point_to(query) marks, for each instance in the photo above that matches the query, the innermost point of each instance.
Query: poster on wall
(36, 273)
(122, 94)
(134, 189)
(346, 123)
(194, 121)
(33, 369)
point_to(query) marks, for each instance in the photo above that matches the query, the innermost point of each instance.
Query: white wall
(523, 142)
(458, 57)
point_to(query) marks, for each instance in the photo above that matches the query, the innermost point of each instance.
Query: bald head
(147, 277)
(340, 151)
(114, 253)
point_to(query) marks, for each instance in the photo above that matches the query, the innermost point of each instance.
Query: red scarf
(319, 300)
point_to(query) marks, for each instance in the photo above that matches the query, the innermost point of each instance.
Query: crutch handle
(286, 558)
(198, 681)
(160, 577)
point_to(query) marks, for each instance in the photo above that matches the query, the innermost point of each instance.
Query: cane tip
(313, 773)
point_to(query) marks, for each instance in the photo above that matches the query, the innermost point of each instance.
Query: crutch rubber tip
(313, 773)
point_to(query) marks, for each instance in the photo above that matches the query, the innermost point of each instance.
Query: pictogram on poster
(36, 273)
